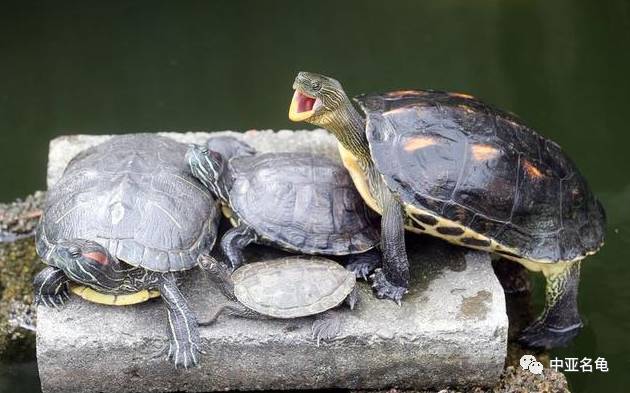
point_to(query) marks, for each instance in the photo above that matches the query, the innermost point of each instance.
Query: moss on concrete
(18, 219)
(18, 264)
(513, 380)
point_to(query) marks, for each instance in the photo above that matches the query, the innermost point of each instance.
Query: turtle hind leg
(560, 321)
(362, 265)
(51, 287)
(326, 326)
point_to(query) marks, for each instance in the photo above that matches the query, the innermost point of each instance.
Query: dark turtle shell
(456, 157)
(301, 202)
(133, 194)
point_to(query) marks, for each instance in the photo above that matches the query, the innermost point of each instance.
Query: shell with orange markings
(479, 177)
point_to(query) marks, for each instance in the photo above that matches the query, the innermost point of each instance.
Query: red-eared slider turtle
(289, 287)
(450, 166)
(299, 202)
(124, 218)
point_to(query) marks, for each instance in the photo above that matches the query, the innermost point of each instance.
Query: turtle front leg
(183, 330)
(560, 321)
(51, 287)
(365, 263)
(235, 309)
(392, 281)
(234, 242)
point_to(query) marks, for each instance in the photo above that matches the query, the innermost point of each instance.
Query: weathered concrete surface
(450, 331)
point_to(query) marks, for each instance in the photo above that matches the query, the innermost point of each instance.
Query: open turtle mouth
(302, 106)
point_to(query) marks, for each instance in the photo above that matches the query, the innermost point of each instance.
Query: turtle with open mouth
(448, 165)
(124, 219)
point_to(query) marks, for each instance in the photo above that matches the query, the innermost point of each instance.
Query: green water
(102, 67)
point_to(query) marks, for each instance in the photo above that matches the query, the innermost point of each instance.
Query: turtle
(299, 202)
(284, 288)
(126, 216)
(448, 165)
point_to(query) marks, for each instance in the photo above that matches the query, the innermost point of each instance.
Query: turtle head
(86, 262)
(316, 98)
(229, 147)
(207, 166)
(219, 273)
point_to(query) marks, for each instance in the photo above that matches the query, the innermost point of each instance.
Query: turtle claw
(352, 299)
(53, 301)
(385, 290)
(364, 264)
(186, 356)
(198, 349)
(325, 328)
(166, 349)
(360, 269)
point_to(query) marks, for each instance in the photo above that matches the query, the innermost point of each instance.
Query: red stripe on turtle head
(98, 257)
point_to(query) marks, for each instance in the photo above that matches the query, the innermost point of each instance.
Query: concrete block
(450, 331)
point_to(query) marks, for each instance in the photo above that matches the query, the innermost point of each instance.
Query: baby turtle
(124, 218)
(284, 288)
(299, 202)
(451, 166)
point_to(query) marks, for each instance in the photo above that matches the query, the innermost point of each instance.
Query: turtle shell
(134, 195)
(495, 180)
(301, 202)
(292, 287)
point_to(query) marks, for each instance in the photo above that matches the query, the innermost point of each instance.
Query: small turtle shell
(292, 287)
(457, 158)
(302, 202)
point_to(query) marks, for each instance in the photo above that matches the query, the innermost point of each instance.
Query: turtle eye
(203, 149)
(74, 251)
(316, 85)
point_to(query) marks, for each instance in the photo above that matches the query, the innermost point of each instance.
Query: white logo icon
(529, 362)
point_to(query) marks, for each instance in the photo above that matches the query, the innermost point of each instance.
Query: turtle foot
(386, 290)
(361, 268)
(541, 335)
(325, 328)
(56, 300)
(363, 264)
(184, 355)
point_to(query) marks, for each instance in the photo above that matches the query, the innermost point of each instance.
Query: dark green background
(102, 67)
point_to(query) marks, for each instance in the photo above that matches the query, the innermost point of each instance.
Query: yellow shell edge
(94, 296)
(358, 177)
